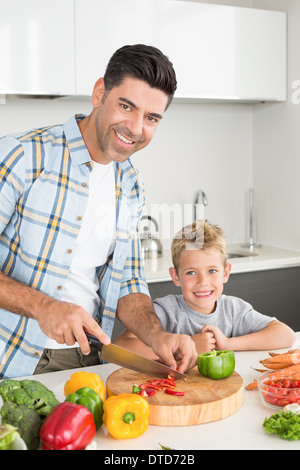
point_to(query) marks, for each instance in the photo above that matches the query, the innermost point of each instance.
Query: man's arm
(136, 312)
(62, 321)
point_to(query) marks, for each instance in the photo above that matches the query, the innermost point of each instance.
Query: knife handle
(94, 341)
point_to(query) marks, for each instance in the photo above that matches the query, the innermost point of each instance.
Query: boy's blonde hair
(196, 236)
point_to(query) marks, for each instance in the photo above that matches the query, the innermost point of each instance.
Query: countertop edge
(269, 258)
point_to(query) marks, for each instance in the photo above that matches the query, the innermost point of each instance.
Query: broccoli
(7, 388)
(43, 398)
(31, 393)
(27, 422)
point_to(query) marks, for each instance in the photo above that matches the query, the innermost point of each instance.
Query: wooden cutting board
(205, 400)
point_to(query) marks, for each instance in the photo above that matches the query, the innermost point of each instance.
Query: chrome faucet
(200, 199)
(251, 244)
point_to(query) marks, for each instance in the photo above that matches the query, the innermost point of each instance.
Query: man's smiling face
(125, 119)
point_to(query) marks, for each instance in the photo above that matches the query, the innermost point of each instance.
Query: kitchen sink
(241, 255)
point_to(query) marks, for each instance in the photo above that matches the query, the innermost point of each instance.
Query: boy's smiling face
(201, 275)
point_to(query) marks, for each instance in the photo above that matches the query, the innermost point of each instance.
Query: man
(70, 203)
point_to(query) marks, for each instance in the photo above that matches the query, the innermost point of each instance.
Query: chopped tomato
(283, 401)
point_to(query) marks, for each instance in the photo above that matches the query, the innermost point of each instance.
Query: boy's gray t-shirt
(233, 316)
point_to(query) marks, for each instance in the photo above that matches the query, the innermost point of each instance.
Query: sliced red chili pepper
(143, 393)
(167, 383)
(155, 387)
(150, 385)
(150, 392)
(171, 378)
(163, 382)
(154, 381)
(177, 393)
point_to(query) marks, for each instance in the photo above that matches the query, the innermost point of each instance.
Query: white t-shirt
(95, 242)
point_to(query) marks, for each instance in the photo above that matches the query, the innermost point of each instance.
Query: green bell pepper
(216, 364)
(90, 399)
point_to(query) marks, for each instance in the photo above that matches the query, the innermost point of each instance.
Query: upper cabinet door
(222, 52)
(219, 52)
(104, 26)
(37, 47)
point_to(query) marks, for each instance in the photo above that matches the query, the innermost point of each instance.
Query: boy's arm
(130, 341)
(275, 335)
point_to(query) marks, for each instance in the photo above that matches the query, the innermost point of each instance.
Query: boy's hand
(221, 341)
(204, 341)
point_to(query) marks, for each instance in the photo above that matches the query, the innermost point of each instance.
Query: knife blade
(125, 358)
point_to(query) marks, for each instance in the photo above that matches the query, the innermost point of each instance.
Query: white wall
(201, 146)
(196, 146)
(276, 147)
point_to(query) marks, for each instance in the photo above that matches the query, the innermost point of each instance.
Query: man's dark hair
(145, 63)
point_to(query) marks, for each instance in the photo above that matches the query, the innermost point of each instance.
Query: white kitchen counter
(241, 431)
(268, 257)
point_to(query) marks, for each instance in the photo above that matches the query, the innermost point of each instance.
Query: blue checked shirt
(44, 185)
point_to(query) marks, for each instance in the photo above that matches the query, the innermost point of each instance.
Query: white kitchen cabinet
(37, 47)
(219, 52)
(222, 52)
(104, 26)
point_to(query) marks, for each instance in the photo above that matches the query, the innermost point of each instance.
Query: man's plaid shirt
(44, 185)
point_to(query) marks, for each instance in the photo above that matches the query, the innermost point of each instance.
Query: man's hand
(67, 323)
(175, 350)
(136, 312)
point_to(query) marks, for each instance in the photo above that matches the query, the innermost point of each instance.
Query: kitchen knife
(125, 358)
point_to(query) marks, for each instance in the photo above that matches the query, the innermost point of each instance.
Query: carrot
(259, 370)
(288, 371)
(293, 358)
(270, 382)
(279, 365)
(293, 372)
(275, 365)
(295, 377)
(252, 385)
(297, 351)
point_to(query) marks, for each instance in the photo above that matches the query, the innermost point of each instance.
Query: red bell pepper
(150, 391)
(148, 388)
(68, 427)
(169, 382)
(171, 391)
(150, 385)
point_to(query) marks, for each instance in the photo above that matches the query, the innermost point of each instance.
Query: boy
(213, 320)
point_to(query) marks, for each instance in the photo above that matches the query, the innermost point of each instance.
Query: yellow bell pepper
(126, 415)
(85, 379)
